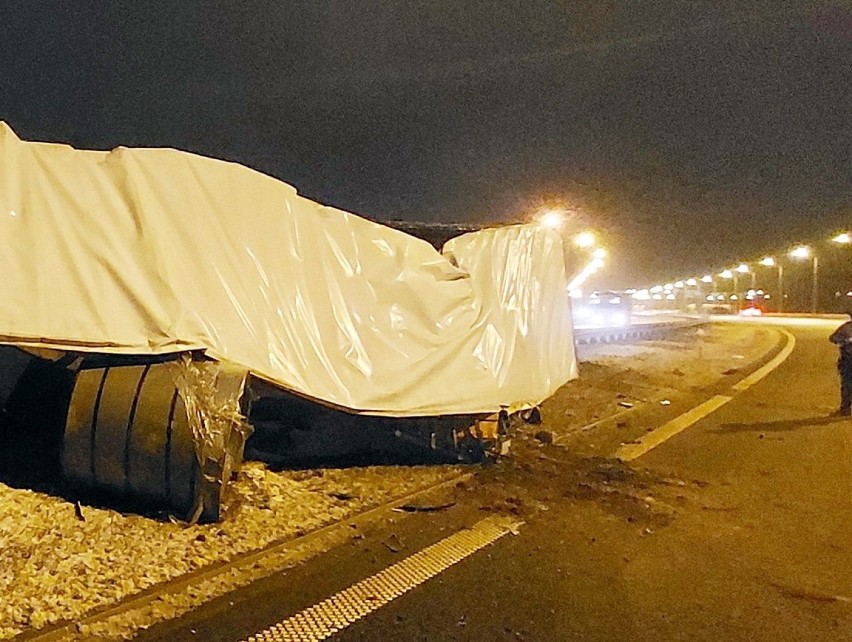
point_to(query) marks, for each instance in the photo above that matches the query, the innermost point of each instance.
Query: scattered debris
(625, 404)
(344, 497)
(613, 472)
(665, 402)
(731, 371)
(78, 511)
(544, 436)
(532, 415)
(678, 372)
(720, 509)
(515, 529)
(111, 556)
(393, 543)
(803, 594)
(412, 508)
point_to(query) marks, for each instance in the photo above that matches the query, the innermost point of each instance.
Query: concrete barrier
(638, 332)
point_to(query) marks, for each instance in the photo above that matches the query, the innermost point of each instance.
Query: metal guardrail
(626, 334)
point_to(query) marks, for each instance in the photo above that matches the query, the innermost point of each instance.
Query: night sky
(692, 133)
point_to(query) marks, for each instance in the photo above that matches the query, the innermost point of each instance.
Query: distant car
(717, 308)
(603, 310)
(751, 311)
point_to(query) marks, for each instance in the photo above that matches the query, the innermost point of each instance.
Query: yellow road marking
(324, 619)
(629, 452)
(776, 361)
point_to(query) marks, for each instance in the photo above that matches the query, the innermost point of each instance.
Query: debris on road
(61, 567)
(544, 436)
(412, 508)
(393, 543)
(813, 596)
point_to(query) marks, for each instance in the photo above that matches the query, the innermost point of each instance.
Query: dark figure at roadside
(842, 337)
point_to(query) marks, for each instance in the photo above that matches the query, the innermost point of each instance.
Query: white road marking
(324, 619)
(629, 452)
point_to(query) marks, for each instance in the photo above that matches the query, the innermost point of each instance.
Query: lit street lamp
(800, 252)
(585, 239)
(770, 261)
(804, 252)
(843, 239)
(551, 219)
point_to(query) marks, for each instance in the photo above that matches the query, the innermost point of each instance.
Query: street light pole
(805, 252)
(742, 268)
(780, 288)
(815, 291)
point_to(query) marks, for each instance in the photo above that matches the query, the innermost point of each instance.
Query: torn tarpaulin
(213, 395)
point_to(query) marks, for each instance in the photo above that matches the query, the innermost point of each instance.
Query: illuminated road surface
(735, 528)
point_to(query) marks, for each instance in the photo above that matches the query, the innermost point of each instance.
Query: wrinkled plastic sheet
(213, 394)
(156, 251)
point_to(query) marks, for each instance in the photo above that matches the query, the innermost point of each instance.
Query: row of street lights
(585, 240)
(800, 252)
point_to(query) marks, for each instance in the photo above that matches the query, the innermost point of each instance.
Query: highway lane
(736, 528)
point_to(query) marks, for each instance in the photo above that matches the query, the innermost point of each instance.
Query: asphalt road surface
(737, 528)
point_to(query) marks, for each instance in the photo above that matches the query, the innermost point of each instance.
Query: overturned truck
(170, 304)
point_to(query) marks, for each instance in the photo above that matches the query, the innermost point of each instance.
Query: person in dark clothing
(842, 338)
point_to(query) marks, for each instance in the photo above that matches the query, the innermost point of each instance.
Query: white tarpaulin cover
(151, 251)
